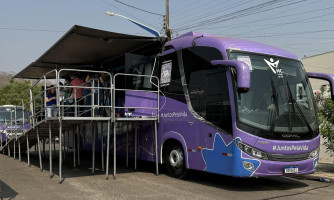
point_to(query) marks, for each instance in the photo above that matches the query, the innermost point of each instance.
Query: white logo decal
(274, 67)
(290, 148)
(290, 136)
(174, 114)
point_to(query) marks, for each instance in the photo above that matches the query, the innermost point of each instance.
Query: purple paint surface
(243, 71)
(224, 43)
(147, 100)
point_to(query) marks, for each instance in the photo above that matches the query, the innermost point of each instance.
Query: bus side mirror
(326, 77)
(243, 72)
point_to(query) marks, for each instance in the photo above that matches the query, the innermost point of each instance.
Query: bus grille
(287, 158)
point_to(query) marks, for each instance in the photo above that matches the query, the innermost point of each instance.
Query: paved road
(18, 181)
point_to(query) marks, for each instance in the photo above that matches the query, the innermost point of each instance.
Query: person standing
(77, 92)
(68, 100)
(67, 90)
(51, 102)
(99, 82)
(87, 95)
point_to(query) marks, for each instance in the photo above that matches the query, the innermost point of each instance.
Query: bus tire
(175, 161)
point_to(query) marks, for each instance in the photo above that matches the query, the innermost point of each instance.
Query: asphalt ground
(18, 181)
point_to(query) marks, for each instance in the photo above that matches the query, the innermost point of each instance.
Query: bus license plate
(291, 169)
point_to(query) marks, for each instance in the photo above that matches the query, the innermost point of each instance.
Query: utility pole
(167, 28)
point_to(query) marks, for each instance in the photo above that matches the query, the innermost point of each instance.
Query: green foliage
(326, 119)
(15, 91)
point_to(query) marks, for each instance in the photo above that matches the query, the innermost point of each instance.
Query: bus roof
(225, 43)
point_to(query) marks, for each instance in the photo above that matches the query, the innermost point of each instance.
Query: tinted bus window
(170, 79)
(207, 86)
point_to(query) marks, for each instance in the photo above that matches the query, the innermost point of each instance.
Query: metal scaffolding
(42, 125)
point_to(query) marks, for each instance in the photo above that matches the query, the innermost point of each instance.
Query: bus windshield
(279, 101)
(8, 113)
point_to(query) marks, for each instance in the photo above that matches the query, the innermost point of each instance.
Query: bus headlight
(248, 165)
(252, 151)
(314, 153)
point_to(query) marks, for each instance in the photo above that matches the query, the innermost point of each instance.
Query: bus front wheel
(175, 161)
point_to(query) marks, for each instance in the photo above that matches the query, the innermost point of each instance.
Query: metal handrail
(36, 113)
(37, 110)
(93, 88)
(151, 91)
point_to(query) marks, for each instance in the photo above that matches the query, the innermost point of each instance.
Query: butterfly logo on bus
(274, 67)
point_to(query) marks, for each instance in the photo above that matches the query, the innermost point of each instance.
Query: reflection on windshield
(268, 104)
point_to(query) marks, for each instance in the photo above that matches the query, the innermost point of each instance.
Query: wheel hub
(176, 158)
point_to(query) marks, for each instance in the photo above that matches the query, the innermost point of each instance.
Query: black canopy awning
(82, 47)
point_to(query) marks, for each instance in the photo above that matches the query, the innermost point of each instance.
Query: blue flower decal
(227, 159)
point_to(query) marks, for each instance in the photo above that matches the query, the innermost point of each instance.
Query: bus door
(209, 95)
(209, 98)
(217, 109)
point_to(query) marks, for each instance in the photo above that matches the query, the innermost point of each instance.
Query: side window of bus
(207, 86)
(140, 83)
(138, 65)
(169, 76)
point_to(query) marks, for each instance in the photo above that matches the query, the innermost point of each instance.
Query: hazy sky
(29, 28)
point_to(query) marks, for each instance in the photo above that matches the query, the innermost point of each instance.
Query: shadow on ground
(6, 192)
(202, 178)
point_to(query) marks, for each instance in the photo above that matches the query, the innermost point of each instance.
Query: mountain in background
(5, 77)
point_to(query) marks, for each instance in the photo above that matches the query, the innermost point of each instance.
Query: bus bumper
(274, 168)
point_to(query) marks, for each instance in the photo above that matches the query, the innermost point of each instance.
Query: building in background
(320, 63)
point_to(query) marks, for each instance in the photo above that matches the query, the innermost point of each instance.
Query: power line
(228, 7)
(139, 8)
(241, 13)
(276, 17)
(250, 23)
(287, 23)
(159, 24)
(192, 3)
(219, 10)
(308, 38)
(197, 10)
(258, 9)
(262, 25)
(126, 12)
(291, 33)
(32, 30)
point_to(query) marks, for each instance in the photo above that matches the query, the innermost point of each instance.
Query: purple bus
(11, 126)
(228, 106)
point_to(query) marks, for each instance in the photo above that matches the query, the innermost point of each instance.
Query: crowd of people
(82, 95)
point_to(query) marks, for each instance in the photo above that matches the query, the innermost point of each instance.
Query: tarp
(81, 47)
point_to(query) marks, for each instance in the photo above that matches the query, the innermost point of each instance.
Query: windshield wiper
(274, 96)
(272, 114)
(295, 104)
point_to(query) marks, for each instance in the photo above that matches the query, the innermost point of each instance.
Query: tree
(15, 91)
(326, 119)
